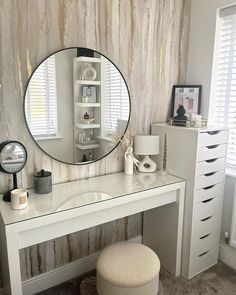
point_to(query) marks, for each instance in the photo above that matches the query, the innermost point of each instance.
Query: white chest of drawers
(197, 155)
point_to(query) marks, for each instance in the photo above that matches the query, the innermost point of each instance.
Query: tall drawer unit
(198, 156)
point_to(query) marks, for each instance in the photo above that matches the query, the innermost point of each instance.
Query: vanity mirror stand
(13, 157)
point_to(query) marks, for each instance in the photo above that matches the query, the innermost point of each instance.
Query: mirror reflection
(12, 157)
(76, 103)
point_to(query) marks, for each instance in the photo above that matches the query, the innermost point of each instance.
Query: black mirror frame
(2, 146)
(24, 99)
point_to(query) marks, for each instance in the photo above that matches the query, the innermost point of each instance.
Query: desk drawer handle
(211, 161)
(208, 187)
(207, 218)
(208, 200)
(209, 174)
(204, 253)
(213, 132)
(212, 146)
(203, 237)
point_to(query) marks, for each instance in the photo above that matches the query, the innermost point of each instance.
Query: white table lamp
(146, 145)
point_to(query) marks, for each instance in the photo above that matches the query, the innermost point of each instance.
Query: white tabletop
(66, 196)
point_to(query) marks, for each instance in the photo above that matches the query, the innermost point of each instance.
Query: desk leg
(163, 230)
(14, 264)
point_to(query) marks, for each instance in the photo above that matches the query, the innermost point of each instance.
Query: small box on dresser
(198, 156)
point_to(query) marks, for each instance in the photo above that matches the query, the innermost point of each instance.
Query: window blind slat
(117, 99)
(224, 111)
(41, 104)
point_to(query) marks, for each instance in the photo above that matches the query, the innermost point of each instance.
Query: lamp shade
(146, 145)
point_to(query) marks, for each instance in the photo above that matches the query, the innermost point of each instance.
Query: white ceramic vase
(129, 164)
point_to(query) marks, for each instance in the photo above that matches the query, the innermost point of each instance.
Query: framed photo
(90, 92)
(189, 96)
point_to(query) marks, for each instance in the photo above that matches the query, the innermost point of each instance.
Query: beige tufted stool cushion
(128, 269)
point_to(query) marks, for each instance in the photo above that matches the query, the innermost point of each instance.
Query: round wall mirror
(77, 105)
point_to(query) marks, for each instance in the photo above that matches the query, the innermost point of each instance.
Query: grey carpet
(218, 280)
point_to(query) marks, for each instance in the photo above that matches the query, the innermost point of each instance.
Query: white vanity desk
(75, 206)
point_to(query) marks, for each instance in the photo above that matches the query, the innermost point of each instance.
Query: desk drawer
(206, 226)
(208, 192)
(211, 152)
(203, 260)
(204, 243)
(209, 179)
(212, 138)
(211, 165)
(207, 208)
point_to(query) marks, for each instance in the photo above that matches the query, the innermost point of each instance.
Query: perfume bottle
(86, 116)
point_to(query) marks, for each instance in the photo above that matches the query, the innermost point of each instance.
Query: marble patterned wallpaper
(146, 39)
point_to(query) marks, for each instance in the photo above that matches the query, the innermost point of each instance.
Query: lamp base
(147, 165)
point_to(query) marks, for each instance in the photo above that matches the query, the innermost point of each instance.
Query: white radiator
(233, 225)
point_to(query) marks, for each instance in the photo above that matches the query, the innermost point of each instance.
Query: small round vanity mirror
(13, 157)
(77, 105)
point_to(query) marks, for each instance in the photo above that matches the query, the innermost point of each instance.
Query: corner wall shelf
(87, 126)
(88, 147)
(87, 59)
(88, 104)
(87, 82)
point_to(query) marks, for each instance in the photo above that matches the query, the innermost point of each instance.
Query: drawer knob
(207, 218)
(203, 237)
(212, 146)
(208, 200)
(211, 160)
(213, 132)
(204, 253)
(209, 174)
(208, 187)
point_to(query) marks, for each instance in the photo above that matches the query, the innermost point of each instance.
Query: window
(223, 90)
(41, 103)
(117, 99)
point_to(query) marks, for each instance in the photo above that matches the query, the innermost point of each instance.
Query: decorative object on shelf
(89, 73)
(127, 144)
(82, 51)
(90, 157)
(85, 98)
(84, 159)
(180, 119)
(13, 157)
(19, 199)
(86, 116)
(189, 96)
(164, 170)
(88, 121)
(198, 121)
(43, 182)
(146, 145)
(90, 92)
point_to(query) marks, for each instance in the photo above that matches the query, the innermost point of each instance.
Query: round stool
(128, 269)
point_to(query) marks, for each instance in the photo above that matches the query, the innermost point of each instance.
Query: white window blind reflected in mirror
(41, 102)
(117, 98)
(223, 92)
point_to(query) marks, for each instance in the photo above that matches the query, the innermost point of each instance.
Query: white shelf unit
(198, 156)
(88, 147)
(87, 82)
(93, 108)
(88, 126)
(88, 105)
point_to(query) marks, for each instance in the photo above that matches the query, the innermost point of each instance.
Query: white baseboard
(63, 273)
(227, 255)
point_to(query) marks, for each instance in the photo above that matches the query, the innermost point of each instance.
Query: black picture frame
(193, 105)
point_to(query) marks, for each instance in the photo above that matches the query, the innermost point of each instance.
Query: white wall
(199, 71)
(201, 45)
